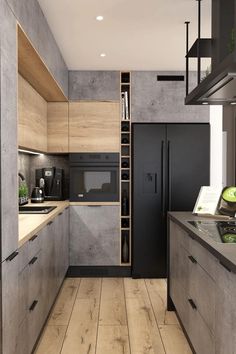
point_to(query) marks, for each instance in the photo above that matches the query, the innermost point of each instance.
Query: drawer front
(23, 256)
(35, 322)
(202, 290)
(22, 342)
(206, 260)
(35, 277)
(34, 244)
(199, 334)
(23, 294)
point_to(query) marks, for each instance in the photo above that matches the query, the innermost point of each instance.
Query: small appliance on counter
(37, 195)
(51, 181)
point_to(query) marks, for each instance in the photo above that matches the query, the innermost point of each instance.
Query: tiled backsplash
(27, 164)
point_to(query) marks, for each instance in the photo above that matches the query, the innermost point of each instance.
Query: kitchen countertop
(226, 253)
(30, 224)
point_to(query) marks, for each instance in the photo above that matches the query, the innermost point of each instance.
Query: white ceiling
(135, 34)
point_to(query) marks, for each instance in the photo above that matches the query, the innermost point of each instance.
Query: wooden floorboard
(62, 309)
(112, 316)
(52, 340)
(157, 289)
(112, 308)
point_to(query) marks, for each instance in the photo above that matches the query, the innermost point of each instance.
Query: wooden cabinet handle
(12, 256)
(33, 238)
(33, 260)
(32, 307)
(192, 259)
(192, 303)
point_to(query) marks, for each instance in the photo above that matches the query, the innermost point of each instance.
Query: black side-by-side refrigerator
(170, 164)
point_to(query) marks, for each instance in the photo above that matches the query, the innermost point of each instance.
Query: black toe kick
(98, 271)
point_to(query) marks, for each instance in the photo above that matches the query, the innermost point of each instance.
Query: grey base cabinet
(94, 236)
(31, 280)
(203, 292)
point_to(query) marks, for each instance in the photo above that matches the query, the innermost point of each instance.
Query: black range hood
(219, 87)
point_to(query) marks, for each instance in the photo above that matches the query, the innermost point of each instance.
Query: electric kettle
(37, 195)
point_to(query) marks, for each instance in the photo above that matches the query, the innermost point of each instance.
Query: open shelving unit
(125, 170)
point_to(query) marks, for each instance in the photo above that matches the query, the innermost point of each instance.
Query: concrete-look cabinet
(226, 311)
(8, 116)
(203, 291)
(188, 277)
(94, 85)
(95, 243)
(31, 280)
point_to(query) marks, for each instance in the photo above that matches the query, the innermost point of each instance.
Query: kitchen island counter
(225, 253)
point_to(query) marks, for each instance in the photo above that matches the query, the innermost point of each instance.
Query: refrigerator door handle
(169, 174)
(163, 178)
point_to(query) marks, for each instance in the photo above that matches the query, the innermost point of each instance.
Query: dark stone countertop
(226, 253)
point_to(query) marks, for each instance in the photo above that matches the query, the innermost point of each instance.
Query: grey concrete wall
(30, 16)
(94, 85)
(163, 101)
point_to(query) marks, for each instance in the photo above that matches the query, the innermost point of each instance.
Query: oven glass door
(94, 184)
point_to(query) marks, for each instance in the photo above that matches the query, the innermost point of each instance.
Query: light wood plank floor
(112, 316)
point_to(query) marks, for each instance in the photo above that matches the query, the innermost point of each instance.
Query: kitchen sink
(36, 209)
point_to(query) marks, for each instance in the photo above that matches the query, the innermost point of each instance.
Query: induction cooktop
(219, 231)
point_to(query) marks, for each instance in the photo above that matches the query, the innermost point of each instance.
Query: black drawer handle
(33, 238)
(60, 214)
(223, 265)
(50, 223)
(33, 260)
(192, 259)
(32, 307)
(192, 303)
(12, 256)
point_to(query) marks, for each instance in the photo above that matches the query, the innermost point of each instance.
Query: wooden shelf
(125, 216)
(34, 70)
(125, 228)
(125, 180)
(125, 144)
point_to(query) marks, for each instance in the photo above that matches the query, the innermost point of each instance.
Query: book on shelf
(124, 105)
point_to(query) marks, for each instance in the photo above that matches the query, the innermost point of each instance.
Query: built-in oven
(94, 177)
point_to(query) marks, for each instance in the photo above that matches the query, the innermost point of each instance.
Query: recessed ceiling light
(102, 55)
(99, 18)
(233, 103)
(205, 103)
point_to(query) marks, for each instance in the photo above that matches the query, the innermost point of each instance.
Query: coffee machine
(53, 182)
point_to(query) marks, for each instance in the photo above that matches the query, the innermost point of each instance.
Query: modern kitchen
(117, 178)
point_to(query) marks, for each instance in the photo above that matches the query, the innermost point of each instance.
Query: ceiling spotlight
(205, 103)
(102, 55)
(233, 103)
(99, 18)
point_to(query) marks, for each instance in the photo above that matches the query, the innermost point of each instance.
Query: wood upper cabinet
(58, 127)
(94, 126)
(32, 117)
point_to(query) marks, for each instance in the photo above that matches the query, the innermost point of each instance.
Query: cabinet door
(225, 311)
(32, 115)
(10, 303)
(48, 257)
(94, 235)
(94, 126)
(58, 127)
